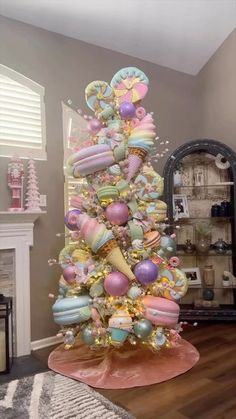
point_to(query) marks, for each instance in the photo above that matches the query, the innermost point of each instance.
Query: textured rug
(53, 396)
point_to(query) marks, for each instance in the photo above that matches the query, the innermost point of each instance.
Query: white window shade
(22, 116)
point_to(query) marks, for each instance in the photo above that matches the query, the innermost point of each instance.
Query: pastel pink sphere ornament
(127, 110)
(94, 125)
(69, 274)
(116, 283)
(117, 213)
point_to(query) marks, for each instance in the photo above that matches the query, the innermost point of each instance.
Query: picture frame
(180, 206)
(193, 275)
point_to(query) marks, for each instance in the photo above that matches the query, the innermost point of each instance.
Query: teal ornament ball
(134, 292)
(87, 336)
(208, 294)
(143, 328)
(168, 246)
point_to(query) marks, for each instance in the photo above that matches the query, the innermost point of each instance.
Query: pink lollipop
(130, 85)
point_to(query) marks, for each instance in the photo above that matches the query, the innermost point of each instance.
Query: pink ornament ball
(94, 126)
(116, 284)
(127, 110)
(69, 274)
(117, 213)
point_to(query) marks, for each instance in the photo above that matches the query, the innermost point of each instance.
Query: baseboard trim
(44, 343)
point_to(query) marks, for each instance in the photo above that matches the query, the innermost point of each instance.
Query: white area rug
(49, 395)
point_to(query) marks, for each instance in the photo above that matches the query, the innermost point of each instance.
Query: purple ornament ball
(71, 219)
(116, 284)
(69, 274)
(127, 110)
(146, 272)
(117, 213)
(94, 126)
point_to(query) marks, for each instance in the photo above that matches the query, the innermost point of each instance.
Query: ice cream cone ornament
(120, 281)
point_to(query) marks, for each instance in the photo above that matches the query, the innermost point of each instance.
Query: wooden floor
(207, 391)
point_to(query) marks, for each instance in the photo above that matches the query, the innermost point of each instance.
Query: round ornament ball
(69, 274)
(208, 294)
(117, 213)
(87, 336)
(71, 219)
(127, 110)
(146, 271)
(143, 328)
(94, 126)
(116, 283)
(134, 292)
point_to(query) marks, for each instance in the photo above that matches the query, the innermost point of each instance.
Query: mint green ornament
(143, 328)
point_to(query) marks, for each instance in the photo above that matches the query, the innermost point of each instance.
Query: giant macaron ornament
(160, 311)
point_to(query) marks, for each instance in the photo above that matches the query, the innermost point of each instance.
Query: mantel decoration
(121, 281)
(32, 191)
(15, 176)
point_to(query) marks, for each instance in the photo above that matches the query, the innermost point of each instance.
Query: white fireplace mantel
(16, 232)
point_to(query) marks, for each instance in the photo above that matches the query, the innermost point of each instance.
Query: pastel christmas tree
(32, 190)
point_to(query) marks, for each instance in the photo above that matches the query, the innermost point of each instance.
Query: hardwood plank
(207, 391)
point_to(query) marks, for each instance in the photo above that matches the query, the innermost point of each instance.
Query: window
(74, 132)
(22, 116)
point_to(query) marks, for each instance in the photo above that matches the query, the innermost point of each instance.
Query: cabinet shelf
(223, 185)
(197, 163)
(212, 219)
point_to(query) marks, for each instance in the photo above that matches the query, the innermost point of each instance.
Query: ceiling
(179, 34)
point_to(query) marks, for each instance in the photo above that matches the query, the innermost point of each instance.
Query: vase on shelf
(202, 245)
(189, 248)
(220, 247)
(209, 276)
(177, 180)
(203, 237)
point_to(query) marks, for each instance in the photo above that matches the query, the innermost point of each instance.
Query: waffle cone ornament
(140, 143)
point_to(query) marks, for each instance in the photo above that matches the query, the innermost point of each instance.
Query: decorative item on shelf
(180, 205)
(225, 209)
(15, 176)
(208, 294)
(177, 178)
(32, 193)
(193, 276)
(198, 176)
(189, 248)
(231, 277)
(221, 162)
(6, 334)
(203, 237)
(220, 247)
(226, 280)
(209, 276)
(215, 210)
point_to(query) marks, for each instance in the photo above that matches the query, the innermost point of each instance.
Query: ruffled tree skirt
(126, 367)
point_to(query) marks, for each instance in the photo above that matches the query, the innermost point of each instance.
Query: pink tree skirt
(126, 367)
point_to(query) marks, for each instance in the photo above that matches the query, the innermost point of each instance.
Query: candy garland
(120, 279)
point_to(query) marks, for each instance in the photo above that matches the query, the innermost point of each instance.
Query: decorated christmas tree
(120, 278)
(32, 191)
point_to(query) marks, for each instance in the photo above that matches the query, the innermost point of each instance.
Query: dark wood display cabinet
(200, 191)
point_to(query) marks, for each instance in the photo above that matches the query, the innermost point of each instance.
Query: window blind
(21, 116)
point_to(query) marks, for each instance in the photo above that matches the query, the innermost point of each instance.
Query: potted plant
(226, 279)
(203, 237)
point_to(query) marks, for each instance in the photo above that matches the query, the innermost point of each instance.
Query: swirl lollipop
(98, 95)
(130, 85)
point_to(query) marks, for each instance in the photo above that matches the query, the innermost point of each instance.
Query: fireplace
(16, 238)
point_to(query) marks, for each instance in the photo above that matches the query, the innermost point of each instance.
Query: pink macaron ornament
(116, 284)
(160, 311)
(117, 213)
